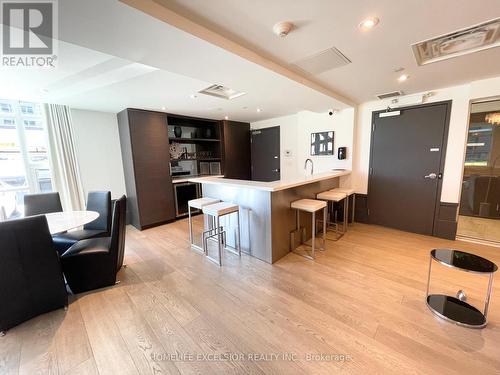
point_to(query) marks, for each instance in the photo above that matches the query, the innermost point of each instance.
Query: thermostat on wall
(342, 153)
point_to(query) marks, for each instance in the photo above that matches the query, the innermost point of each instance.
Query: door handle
(276, 170)
(431, 176)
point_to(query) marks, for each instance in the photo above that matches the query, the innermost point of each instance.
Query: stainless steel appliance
(184, 192)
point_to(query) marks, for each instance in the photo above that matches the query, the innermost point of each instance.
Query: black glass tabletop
(465, 261)
(455, 310)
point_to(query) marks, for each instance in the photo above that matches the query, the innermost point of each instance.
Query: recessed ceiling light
(403, 77)
(259, 109)
(368, 23)
(163, 108)
(226, 117)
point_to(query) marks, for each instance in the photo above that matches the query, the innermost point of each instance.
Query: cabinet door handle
(431, 176)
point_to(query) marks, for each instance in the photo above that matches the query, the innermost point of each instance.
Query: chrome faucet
(312, 165)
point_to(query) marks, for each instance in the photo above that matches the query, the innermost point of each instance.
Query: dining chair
(99, 201)
(31, 278)
(43, 203)
(93, 263)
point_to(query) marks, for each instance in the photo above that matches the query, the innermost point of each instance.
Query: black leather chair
(99, 201)
(93, 263)
(31, 278)
(38, 204)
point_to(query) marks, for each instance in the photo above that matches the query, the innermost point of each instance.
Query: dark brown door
(266, 154)
(407, 160)
(237, 150)
(151, 159)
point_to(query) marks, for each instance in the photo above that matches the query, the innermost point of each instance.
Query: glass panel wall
(24, 157)
(479, 215)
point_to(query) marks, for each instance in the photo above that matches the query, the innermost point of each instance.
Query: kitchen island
(265, 213)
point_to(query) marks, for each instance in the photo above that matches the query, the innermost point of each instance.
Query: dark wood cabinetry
(148, 169)
(236, 149)
(146, 159)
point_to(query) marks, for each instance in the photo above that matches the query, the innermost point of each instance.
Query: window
(28, 108)
(7, 123)
(5, 108)
(24, 157)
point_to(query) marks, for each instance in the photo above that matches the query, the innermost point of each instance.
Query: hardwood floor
(362, 299)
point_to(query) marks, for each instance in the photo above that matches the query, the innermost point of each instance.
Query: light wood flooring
(362, 300)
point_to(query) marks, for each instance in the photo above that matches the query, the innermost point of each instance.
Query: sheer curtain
(64, 164)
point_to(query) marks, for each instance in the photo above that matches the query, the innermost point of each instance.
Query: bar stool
(216, 211)
(198, 204)
(312, 206)
(336, 197)
(349, 192)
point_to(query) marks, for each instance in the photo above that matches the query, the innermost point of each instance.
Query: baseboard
(445, 222)
(361, 214)
(477, 241)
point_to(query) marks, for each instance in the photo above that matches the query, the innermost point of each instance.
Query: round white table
(60, 222)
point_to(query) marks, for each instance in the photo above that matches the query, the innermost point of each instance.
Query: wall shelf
(198, 159)
(193, 140)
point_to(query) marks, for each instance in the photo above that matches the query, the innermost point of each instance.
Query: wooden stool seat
(331, 195)
(202, 202)
(220, 209)
(308, 205)
(347, 191)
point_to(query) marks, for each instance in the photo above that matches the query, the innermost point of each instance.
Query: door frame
(437, 202)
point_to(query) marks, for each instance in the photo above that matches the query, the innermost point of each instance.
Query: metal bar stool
(349, 192)
(311, 206)
(216, 211)
(198, 204)
(335, 197)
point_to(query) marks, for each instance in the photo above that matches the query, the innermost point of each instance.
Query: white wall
(98, 151)
(455, 151)
(295, 136)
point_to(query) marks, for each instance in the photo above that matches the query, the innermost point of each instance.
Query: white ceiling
(112, 56)
(118, 57)
(375, 55)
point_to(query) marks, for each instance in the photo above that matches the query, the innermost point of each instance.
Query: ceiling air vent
(389, 95)
(223, 92)
(323, 61)
(461, 42)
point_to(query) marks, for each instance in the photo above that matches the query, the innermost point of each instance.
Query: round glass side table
(456, 309)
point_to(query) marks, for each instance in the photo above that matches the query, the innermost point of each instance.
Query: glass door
(479, 215)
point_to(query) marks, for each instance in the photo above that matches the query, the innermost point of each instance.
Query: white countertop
(271, 186)
(179, 180)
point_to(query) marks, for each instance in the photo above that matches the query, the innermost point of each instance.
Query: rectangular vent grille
(223, 92)
(390, 95)
(323, 61)
(472, 39)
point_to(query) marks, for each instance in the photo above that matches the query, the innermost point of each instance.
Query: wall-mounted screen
(322, 143)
